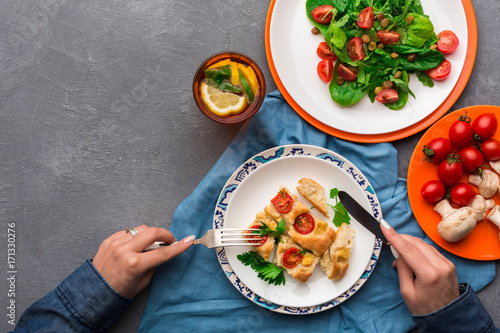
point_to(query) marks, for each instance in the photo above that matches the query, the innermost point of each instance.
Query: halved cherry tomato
(448, 42)
(366, 18)
(257, 242)
(462, 194)
(322, 14)
(292, 257)
(471, 158)
(283, 202)
(325, 53)
(491, 149)
(433, 191)
(387, 96)
(485, 125)
(304, 223)
(388, 37)
(461, 132)
(437, 149)
(325, 70)
(346, 72)
(355, 49)
(450, 171)
(440, 72)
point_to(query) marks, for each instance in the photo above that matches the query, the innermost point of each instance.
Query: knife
(362, 215)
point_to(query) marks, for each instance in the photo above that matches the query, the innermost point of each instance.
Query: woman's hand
(427, 280)
(127, 269)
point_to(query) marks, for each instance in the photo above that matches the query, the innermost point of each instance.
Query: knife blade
(362, 215)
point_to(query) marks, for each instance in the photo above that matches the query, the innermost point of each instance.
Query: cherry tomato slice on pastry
(283, 202)
(255, 235)
(304, 223)
(292, 257)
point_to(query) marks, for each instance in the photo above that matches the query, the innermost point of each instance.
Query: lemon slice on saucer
(222, 103)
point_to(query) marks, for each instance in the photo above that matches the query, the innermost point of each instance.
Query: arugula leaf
(341, 214)
(266, 270)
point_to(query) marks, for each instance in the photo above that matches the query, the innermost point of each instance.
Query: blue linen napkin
(190, 293)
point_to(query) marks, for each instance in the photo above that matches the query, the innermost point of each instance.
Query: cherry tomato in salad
(292, 257)
(346, 72)
(325, 53)
(462, 194)
(255, 235)
(325, 70)
(283, 202)
(461, 132)
(388, 37)
(448, 42)
(366, 18)
(356, 49)
(433, 191)
(304, 223)
(387, 96)
(440, 72)
(491, 149)
(322, 14)
(485, 125)
(437, 149)
(471, 158)
(450, 171)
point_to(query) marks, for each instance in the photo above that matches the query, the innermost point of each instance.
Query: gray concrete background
(99, 129)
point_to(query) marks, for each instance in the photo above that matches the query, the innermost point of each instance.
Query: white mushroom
(494, 216)
(456, 223)
(487, 183)
(495, 165)
(481, 206)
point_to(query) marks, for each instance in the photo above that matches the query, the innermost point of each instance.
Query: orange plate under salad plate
(358, 135)
(482, 243)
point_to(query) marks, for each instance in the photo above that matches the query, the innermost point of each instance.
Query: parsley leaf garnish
(266, 270)
(265, 230)
(341, 214)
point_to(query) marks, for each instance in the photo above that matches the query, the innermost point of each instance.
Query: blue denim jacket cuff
(465, 314)
(90, 299)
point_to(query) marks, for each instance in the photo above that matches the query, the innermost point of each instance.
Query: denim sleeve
(465, 314)
(83, 302)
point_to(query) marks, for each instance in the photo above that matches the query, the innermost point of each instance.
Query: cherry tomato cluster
(468, 146)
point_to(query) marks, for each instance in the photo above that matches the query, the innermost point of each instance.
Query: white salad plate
(250, 189)
(292, 55)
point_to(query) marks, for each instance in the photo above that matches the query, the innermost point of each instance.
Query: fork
(219, 238)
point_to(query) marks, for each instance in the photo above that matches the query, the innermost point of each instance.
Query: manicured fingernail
(189, 239)
(394, 252)
(385, 224)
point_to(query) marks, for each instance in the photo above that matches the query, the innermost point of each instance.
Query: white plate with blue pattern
(251, 188)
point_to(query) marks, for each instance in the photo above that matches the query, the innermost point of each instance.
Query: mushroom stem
(494, 216)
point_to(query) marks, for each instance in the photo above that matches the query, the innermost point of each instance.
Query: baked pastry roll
(295, 260)
(314, 193)
(335, 261)
(265, 246)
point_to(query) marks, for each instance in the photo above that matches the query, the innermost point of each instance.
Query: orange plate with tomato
(482, 243)
(291, 52)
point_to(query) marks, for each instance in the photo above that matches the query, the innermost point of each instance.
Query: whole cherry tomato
(450, 171)
(462, 194)
(322, 14)
(325, 53)
(491, 149)
(461, 132)
(437, 149)
(471, 158)
(366, 18)
(485, 125)
(433, 191)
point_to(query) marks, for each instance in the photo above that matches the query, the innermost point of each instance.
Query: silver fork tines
(220, 238)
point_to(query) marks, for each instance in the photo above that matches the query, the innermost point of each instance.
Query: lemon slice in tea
(222, 103)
